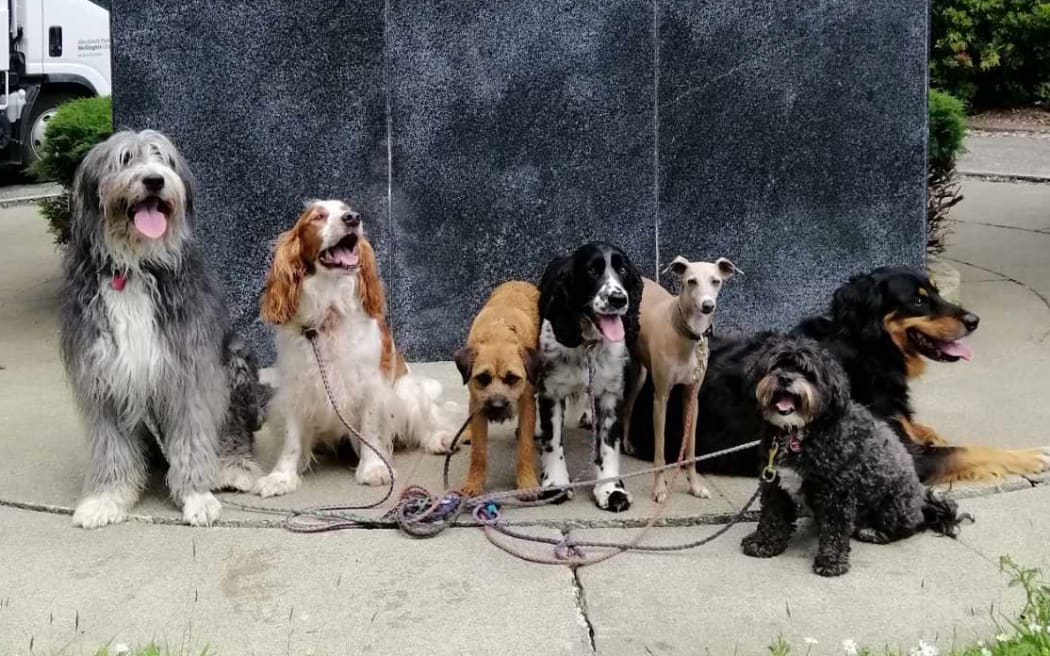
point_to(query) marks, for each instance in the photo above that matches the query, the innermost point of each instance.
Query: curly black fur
(853, 331)
(854, 474)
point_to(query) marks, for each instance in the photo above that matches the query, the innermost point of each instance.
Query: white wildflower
(849, 647)
(985, 651)
(120, 649)
(925, 649)
(810, 641)
(1002, 637)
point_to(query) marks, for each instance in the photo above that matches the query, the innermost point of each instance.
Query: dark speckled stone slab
(788, 136)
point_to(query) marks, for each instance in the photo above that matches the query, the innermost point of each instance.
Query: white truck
(58, 50)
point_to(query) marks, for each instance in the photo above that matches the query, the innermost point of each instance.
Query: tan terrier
(499, 365)
(672, 348)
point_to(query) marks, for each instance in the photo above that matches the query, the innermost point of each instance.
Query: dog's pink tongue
(346, 257)
(611, 326)
(786, 404)
(149, 220)
(956, 349)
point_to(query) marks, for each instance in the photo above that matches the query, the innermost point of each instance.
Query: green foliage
(991, 53)
(947, 127)
(74, 129)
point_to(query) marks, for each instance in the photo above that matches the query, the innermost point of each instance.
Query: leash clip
(769, 472)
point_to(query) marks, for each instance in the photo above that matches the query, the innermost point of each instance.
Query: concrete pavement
(1007, 154)
(264, 591)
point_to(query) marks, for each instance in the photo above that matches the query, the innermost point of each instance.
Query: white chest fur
(133, 353)
(790, 482)
(569, 370)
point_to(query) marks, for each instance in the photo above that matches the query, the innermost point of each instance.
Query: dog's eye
(715, 282)
(125, 158)
(692, 282)
(483, 379)
(919, 301)
(511, 379)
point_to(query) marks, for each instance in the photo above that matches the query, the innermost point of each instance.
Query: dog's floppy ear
(370, 289)
(556, 303)
(531, 358)
(280, 299)
(632, 281)
(726, 268)
(464, 359)
(678, 266)
(856, 307)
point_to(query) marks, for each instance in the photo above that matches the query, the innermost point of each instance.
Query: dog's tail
(420, 419)
(948, 464)
(941, 514)
(249, 397)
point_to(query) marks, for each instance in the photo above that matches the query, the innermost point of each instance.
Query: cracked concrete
(238, 590)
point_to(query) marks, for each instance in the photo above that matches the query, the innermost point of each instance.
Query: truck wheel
(33, 130)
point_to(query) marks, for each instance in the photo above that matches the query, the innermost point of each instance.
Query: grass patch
(1027, 633)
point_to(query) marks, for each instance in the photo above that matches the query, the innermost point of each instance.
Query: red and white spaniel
(324, 277)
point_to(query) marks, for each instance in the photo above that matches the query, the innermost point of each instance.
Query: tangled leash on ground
(421, 514)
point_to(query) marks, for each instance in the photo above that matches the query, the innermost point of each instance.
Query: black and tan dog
(881, 327)
(498, 365)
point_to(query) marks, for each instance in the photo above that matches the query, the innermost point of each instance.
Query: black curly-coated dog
(834, 456)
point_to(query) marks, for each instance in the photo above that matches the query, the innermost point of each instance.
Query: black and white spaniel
(589, 314)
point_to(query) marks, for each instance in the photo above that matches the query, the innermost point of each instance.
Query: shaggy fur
(881, 327)
(146, 340)
(498, 365)
(589, 311)
(672, 329)
(834, 456)
(324, 278)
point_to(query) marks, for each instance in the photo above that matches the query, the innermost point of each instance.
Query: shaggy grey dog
(849, 468)
(146, 340)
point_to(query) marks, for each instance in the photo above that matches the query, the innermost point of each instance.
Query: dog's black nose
(970, 321)
(785, 381)
(707, 307)
(352, 219)
(153, 182)
(617, 300)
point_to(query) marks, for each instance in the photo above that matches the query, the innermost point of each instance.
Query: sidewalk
(244, 589)
(1024, 155)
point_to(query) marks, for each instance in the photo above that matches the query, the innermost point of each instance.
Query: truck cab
(58, 50)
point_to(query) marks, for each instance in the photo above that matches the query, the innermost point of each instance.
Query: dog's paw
(830, 566)
(628, 447)
(697, 489)
(660, 488)
(200, 509)
(373, 473)
(100, 509)
(756, 547)
(871, 536)
(277, 483)
(240, 476)
(556, 496)
(438, 442)
(612, 497)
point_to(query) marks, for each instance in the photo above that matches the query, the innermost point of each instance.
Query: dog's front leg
(689, 413)
(285, 475)
(776, 524)
(610, 495)
(191, 428)
(834, 517)
(552, 457)
(659, 425)
(635, 382)
(526, 474)
(479, 439)
(371, 470)
(117, 471)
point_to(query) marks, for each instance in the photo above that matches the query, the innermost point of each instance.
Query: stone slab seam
(993, 176)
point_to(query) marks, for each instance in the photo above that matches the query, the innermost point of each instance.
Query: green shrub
(991, 53)
(947, 127)
(75, 128)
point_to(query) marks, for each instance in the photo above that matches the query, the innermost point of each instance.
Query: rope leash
(419, 513)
